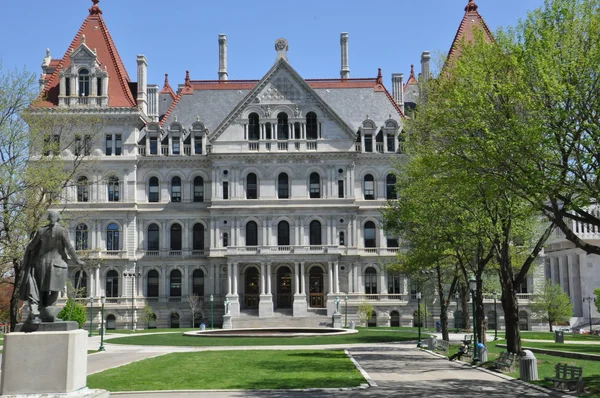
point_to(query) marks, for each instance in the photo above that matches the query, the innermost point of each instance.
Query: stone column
(234, 298)
(337, 277)
(296, 279)
(265, 305)
(300, 307)
(330, 292)
(345, 71)
(229, 278)
(262, 279)
(574, 283)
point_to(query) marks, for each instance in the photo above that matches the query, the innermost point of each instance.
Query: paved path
(397, 369)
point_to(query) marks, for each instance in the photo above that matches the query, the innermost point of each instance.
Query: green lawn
(129, 331)
(591, 369)
(364, 336)
(232, 370)
(550, 336)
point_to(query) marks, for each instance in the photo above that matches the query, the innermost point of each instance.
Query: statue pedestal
(227, 322)
(46, 363)
(337, 320)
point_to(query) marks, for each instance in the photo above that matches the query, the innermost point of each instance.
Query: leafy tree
(365, 311)
(421, 313)
(148, 315)
(597, 293)
(552, 305)
(34, 174)
(73, 311)
(196, 303)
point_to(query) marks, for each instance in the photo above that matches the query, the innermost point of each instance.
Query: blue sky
(178, 35)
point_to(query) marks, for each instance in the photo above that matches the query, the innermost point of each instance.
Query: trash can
(438, 327)
(431, 343)
(352, 325)
(559, 336)
(528, 366)
(202, 326)
(482, 352)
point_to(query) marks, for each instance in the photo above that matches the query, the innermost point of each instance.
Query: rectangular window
(394, 284)
(78, 149)
(368, 143)
(99, 86)
(198, 145)
(153, 146)
(67, 86)
(391, 142)
(87, 145)
(109, 144)
(268, 131)
(392, 242)
(340, 188)
(118, 144)
(176, 146)
(225, 190)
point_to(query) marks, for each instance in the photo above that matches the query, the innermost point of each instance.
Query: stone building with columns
(264, 194)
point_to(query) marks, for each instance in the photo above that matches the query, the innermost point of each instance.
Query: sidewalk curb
(361, 370)
(552, 393)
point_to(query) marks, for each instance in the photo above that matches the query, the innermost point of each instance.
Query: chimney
(223, 57)
(425, 69)
(398, 89)
(142, 85)
(345, 72)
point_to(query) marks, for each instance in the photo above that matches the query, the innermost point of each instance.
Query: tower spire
(472, 6)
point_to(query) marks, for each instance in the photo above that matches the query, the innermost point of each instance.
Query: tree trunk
(550, 323)
(15, 297)
(479, 310)
(464, 303)
(510, 306)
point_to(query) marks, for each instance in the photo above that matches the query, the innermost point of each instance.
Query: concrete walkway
(396, 369)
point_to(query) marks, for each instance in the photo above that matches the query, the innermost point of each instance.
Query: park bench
(506, 360)
(567, 376)
(442, 345)
(468, 340)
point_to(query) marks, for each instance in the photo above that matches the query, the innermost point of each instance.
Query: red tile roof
(412, 79)
(98, 38)
(466, 30)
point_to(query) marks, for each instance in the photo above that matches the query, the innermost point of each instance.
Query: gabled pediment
(282, 85)
(83, 54)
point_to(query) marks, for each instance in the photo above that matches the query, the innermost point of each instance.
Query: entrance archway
(284, 287)
(394, 319)
(315, 286)
(372, 321)
(459, 322)
(111, 322)
(251, 288)
(523, 321)
(175, 320)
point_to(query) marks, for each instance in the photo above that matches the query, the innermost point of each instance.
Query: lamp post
(212, 318)
(346, 312)
(495, 295)
(90, 334)
(457, 298)
(101, 348)
(419, 343)
(473, 286)
(590, 300)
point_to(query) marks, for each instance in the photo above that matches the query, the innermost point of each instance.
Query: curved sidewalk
(397, 369)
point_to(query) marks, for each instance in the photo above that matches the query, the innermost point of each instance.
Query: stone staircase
(282, 318)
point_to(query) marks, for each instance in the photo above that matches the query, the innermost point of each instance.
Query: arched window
(83, 189)
(176, 236)
(153, 190)
(176, 189)
(297, 131)
(253, 127)
(175, 283)
(225, 239)
(251, 234)
(283, 128)
(312, 130)
(251, 186)
(153, 237)
(81, 237)
(268, 131)
(283, 186)
(315, 185)
(342, 238)
(198, 282)
(113, 189)
(80, 283)
(283, 233)
(394, 319)
(198, 237)
(152, 284)
(370, 281)
(369, 187)
(390, 187)
(370, 238)
(112, 237)
(198, 189)
(315, 233)
(174, 320)
(112, 283)
(84, 82)
(111, 322)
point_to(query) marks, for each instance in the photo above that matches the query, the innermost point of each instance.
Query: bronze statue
(45, 269)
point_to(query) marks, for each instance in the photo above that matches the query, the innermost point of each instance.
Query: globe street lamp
(212, 316)
(590, 300)
(457, 297)
(91, 316)
(419, 343)
(346, 312)
(101, 348)
(495, 295)
(473, 286)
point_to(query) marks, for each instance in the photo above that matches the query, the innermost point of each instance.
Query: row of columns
(275, 131)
